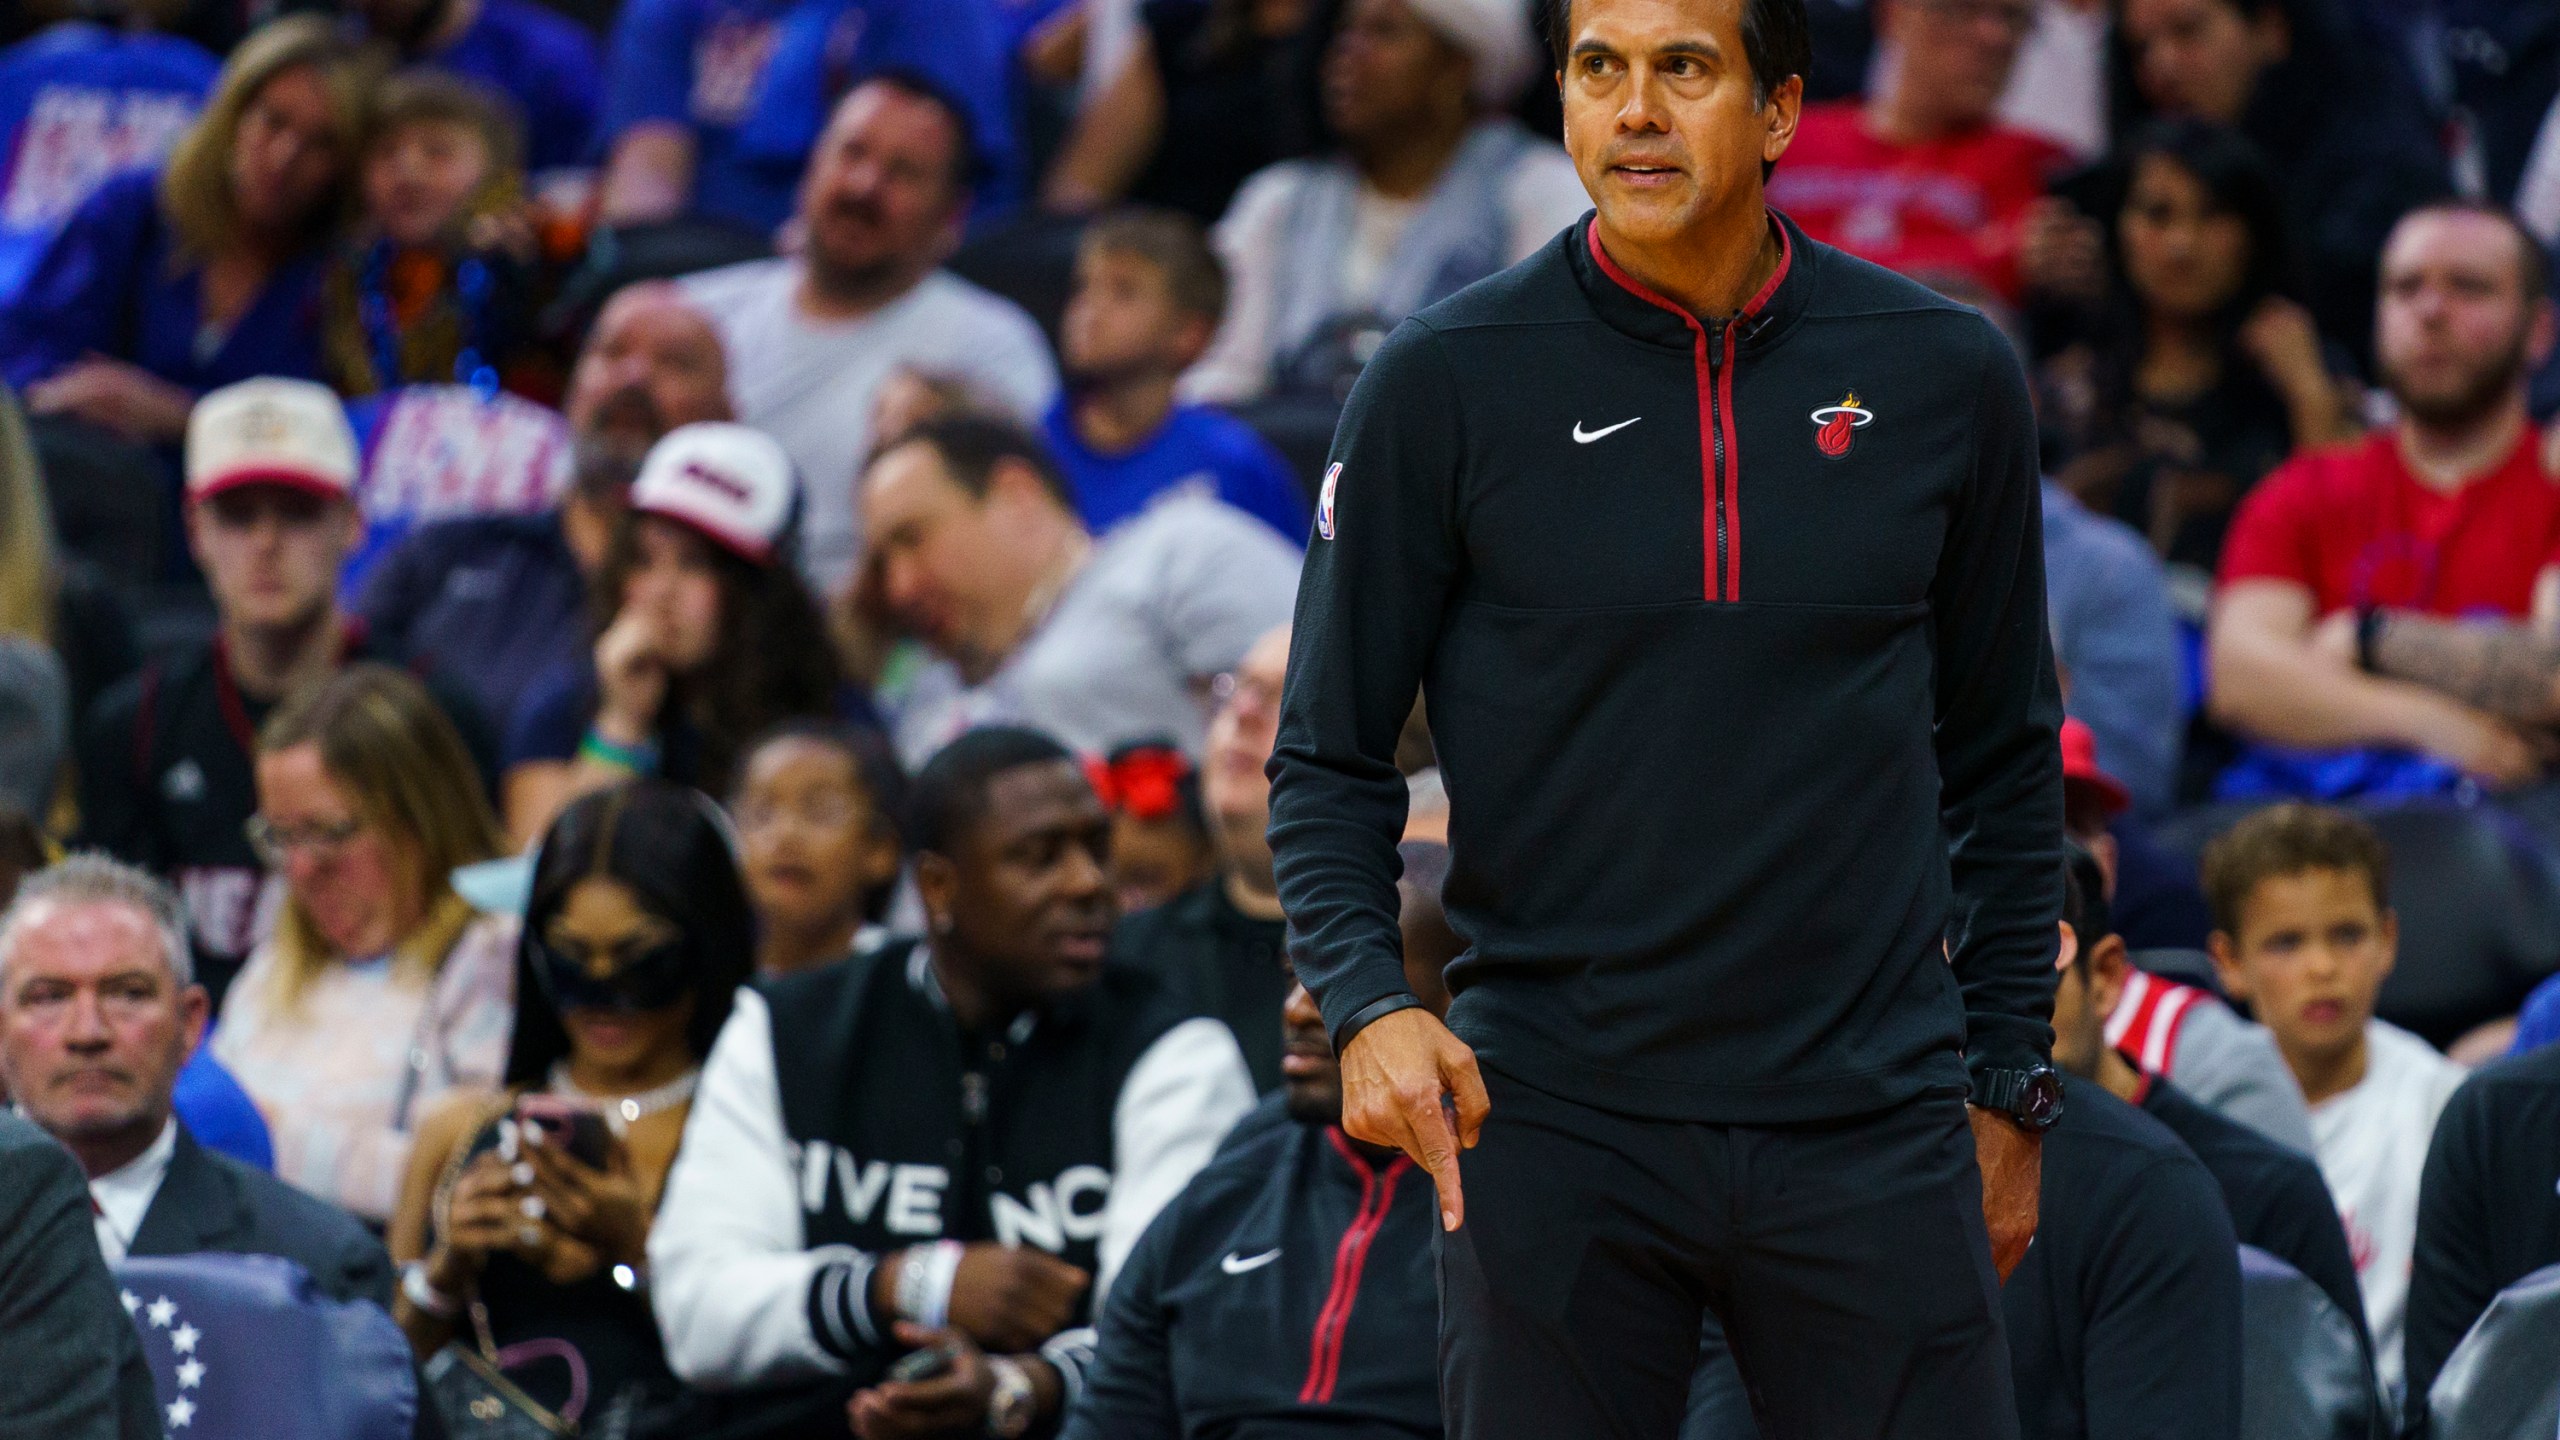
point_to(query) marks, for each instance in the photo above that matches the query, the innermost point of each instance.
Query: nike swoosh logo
(1238, 1266)
(1585, 437)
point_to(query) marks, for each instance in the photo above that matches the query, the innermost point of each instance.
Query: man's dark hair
(2290, 839)
(971, 444)
(968, 165)
(2533, 263)
(950, 792)
(1776, 39)
(2084, 897)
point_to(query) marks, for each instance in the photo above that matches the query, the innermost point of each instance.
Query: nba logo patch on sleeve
(1324, 501)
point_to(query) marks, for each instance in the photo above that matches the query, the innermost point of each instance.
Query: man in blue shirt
(78, 103)
(1148, 297)
(535, 57)
(2116, 637)
(711, 106)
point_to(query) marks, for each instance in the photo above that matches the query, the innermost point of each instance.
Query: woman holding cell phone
(523, 1224)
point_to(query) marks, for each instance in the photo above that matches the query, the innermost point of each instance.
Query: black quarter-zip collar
(1630, 306)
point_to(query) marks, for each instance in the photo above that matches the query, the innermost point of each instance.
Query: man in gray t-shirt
(976, 549)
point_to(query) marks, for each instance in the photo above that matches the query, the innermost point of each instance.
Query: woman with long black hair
(2202, 373)
(524, 1220)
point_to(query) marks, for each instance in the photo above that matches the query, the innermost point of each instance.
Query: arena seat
(2503, 1381)
(2479, 904)
(245, 1347)
(2304, 1373)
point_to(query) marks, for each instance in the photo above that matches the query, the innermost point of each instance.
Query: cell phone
(579, 1131)
(924, 1364)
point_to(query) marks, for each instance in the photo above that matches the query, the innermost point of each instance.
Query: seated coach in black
(1288, 1291)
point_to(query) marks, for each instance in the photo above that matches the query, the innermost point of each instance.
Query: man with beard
(501, 599)
(812, 337)
(540, 60)
(2401, 594)
(1280, 1294)
(1219, 943)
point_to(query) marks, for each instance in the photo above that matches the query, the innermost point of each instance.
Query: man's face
(1241, 734)
(2091, 983)
(1386, 70)
(940, 550)
(1659, 114)
(2310, 957)
(2200, 58)
(651, 363)
(882, 198)
(271, 553)
(2452, 328)
(1122, 320)
(1958, 53)
(93, 1027)
(1028, 891)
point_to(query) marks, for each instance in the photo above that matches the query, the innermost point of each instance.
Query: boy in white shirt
(2305, 935)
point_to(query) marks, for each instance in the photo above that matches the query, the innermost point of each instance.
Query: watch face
(2040, 1103)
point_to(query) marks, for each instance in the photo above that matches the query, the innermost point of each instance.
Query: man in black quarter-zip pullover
(1716, 554)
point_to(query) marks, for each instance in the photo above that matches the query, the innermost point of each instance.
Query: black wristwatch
(2032, 1098)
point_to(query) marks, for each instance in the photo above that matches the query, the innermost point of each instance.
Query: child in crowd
(817, 807)
(1160, 845)
(1149, 293)
(2304, 933)
(436, 286)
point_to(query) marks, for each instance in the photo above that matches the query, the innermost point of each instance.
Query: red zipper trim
(1719, 447)
(1377, 1196)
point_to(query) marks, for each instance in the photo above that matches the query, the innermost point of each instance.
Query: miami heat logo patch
(1833, 424)
(1324, 501)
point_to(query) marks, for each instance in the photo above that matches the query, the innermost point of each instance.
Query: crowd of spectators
(638, 641)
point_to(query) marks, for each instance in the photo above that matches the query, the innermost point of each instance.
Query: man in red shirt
(2403, 592)
(1918, 178)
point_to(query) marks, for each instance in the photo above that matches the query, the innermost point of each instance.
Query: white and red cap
(270, 431)
(729, 481)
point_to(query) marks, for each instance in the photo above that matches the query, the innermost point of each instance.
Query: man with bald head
(499, 599)
(1219, 944)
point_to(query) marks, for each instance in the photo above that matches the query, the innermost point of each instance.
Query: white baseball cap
(729, 481)
(270, 432)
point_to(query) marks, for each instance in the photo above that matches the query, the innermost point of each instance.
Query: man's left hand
(2012, 1184)
(953, 1403)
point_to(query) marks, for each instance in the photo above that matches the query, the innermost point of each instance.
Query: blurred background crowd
(519, 518)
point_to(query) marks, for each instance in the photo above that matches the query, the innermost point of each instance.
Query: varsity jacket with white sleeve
(844, 1115)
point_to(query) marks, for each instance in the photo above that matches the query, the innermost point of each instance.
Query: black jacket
(213, 1202)
(2277, 1200)
(1289, 1291)
(73, 1365)
(1216, 960)
(1745, 739)
(2488, 1207)
(2124, 1317)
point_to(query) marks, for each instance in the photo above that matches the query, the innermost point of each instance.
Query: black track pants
(1847, 1261)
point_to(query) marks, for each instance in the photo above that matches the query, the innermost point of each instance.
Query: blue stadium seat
(2503, 1380)
(2305, 1375)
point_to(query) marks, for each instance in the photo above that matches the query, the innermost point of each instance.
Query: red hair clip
(1144, 782)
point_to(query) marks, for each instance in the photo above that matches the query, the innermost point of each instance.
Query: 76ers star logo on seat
(1833, 424)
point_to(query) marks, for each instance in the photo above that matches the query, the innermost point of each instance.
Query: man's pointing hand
(1402, 1075)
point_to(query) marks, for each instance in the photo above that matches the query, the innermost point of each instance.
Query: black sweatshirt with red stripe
(1733, 639)
(1287, 1291)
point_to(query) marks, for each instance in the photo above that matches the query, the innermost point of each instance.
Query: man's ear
(2070, 950)
(1785, 108)
(195, 1011)
(2390, 936)
(1193, 340)
(937, 884)
(2226, 964)
(2271, 35)
(2107, 964)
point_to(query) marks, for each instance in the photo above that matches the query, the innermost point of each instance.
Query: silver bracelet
(421, 1292)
